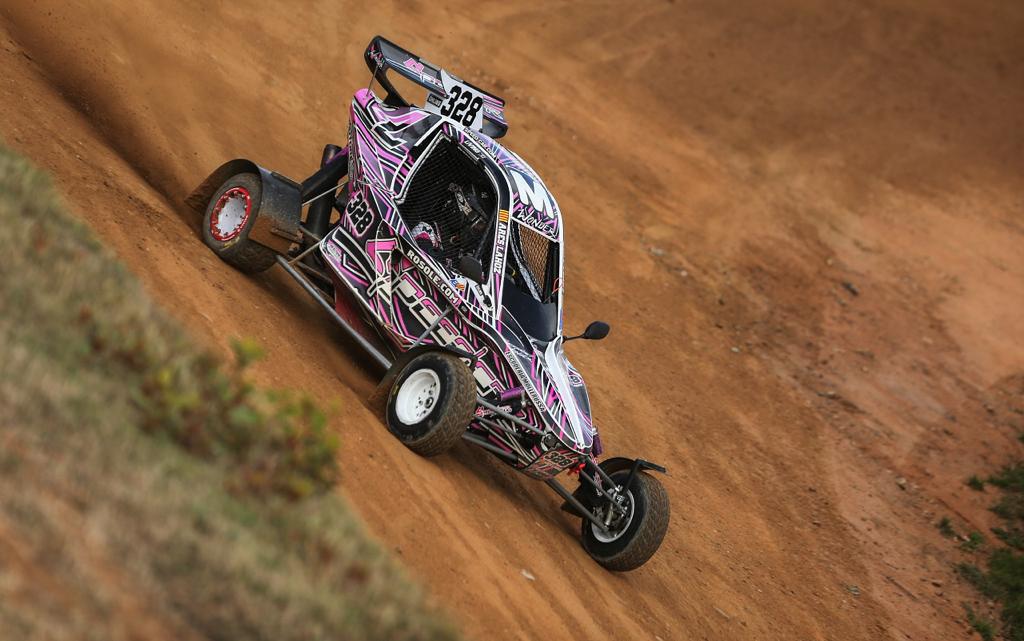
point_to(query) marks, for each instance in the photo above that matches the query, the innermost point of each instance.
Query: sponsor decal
(437, 281)
(415, 65)
(574, 378)
(532, 193)
(419, 69)
(331, 250)
(499, 242)
(513, 360)
(377, 56)
(522, 353)
(532, 219)
(459, 284)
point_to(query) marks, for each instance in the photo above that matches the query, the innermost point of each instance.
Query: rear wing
(477, 108)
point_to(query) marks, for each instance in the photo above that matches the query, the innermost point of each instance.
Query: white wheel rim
(417, 396)
(616, 534)
(230, 214)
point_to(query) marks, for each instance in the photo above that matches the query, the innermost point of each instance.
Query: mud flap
(280, 210)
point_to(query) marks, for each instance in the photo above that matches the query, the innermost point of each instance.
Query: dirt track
(724, 169)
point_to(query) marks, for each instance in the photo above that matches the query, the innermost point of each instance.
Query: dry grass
(109, 531)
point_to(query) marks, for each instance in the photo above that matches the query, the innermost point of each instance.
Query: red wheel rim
(230, 214)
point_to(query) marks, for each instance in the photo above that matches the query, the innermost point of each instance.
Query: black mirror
(594, 332)
(472, 269)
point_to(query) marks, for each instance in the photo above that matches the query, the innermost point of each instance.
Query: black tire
(448, 412)
(645, 532)
(235, 247)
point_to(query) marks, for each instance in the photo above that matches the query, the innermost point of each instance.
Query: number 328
(462, 105)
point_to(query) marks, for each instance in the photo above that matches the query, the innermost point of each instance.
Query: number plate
(461, 103)
(551, 463)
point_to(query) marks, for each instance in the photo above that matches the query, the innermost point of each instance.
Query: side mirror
(594, 332)
(472, 269)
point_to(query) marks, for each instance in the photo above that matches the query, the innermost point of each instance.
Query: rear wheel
(636, 531)
(431, 403)
(229, 218)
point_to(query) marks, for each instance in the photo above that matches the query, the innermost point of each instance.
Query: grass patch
(975, 483)
(978, 578)
(1009, 478)
(1012, 537)
(148, 490)
(1003, 579)
(975, 541)
(946, 527)
(980, 624)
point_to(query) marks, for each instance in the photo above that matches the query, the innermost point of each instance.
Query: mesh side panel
(535, 255)
(451, 193)
(536, 250)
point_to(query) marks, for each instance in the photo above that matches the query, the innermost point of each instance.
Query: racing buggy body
(439, 252)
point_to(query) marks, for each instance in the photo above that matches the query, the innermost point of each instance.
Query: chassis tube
(604, 475)
(573, 501)
(502, 413)
(480, 442)
(318, 219)
(372, 351)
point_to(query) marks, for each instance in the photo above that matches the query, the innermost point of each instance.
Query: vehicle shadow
(516, 487)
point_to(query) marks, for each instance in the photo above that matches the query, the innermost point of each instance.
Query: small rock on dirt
(527, 575)
(850, 287)
(902, 482)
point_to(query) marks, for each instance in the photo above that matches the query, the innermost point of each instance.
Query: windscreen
(531, 283)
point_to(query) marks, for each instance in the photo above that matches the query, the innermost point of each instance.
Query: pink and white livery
(439, 253)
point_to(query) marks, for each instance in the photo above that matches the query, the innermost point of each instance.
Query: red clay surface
(724, 169)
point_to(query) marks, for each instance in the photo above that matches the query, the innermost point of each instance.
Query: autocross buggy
(441, 257)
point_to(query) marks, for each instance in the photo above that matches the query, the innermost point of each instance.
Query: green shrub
(976, 577)
(974, 542)
(1011, 536)
(1010, 478)
(278, 441)
(1004, 578)
(946, 527)
(191, 520)
(980, 624)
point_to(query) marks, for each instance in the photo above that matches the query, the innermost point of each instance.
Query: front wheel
(431, 403)
(635, 533)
